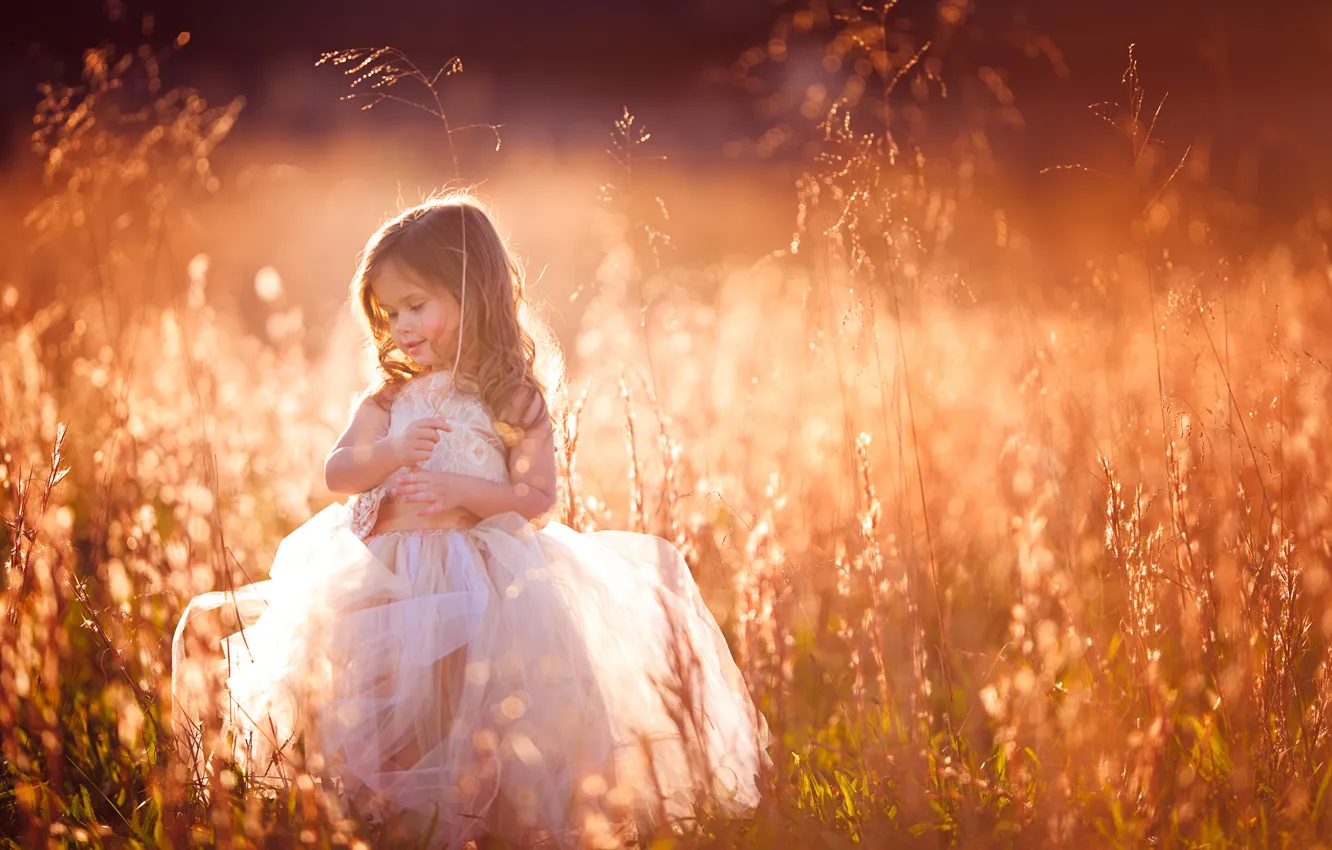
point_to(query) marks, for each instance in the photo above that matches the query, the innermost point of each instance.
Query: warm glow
(1018, 528)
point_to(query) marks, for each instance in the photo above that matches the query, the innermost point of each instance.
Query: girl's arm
(365, 455)
(530, 490)
(531, 487)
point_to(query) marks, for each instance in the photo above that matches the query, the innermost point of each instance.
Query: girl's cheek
(436, 326)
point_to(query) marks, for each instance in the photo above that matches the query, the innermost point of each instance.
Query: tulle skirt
(489, 679)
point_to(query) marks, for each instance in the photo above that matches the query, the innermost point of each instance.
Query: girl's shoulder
(525, 412)
(526, 407)
(381, 395)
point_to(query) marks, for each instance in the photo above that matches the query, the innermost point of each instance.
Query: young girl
(438, 655)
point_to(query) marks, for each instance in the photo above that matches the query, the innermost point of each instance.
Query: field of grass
(1006, 564)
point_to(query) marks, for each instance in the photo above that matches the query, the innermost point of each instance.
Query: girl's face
(423, 320)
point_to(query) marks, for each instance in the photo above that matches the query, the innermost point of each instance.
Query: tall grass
(1000, 571)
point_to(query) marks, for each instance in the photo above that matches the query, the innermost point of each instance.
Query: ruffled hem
(496, 678)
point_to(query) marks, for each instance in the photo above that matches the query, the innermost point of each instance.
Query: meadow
(1009, 557)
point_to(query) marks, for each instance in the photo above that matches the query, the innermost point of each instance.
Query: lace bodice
(473, 446)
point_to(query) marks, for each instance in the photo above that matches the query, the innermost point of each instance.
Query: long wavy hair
(497, 357)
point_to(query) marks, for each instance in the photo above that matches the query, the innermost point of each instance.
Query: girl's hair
(498, 355)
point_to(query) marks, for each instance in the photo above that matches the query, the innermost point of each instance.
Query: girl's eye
(392, 314)
(416, 306)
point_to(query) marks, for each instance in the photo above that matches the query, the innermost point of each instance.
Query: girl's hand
(435, 491)
(415, 444)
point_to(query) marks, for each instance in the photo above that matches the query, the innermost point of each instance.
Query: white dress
(494, 678)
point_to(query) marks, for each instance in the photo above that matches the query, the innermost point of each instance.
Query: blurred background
(303, 176)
